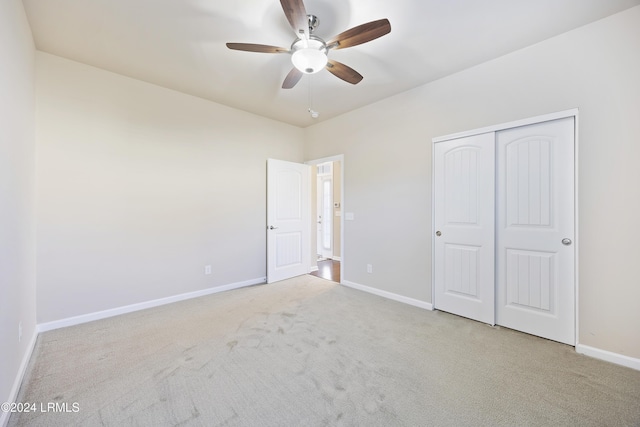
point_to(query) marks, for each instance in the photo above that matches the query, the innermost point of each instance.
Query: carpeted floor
(309, 352)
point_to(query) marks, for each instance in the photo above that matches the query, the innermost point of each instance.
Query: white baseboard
(314, 268)
(336, 258)
(13, 395)
(608, 356)
(618, 359)
(84, 318)
(389, 295)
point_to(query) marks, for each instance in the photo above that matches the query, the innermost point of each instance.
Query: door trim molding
(509, 125)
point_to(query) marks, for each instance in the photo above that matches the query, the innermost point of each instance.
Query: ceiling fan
(309, 52)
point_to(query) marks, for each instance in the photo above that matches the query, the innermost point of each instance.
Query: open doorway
(325, 206)
(326, 213)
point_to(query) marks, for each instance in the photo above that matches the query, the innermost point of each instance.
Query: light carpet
(309, 352)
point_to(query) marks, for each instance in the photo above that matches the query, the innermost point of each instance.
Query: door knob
(271, 227)
(566, 241)
(438, 233)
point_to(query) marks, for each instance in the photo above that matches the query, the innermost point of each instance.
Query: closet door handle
(438, 233)
(566, 241)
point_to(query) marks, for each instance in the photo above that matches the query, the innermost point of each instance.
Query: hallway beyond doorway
(328, 269)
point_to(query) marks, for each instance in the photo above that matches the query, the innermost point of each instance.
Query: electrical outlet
(19, 331)
(207, 269)
(369, 268)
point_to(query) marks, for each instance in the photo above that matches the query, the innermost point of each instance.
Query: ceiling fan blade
(292, 78)
(262, 48)
(344, 72)
(297, 16)
(360, 34)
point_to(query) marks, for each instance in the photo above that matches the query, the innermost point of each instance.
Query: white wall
(17, 162)
(387, 148)
(140, 187)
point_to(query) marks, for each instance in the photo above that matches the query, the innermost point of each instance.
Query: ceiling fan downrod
(314, 22)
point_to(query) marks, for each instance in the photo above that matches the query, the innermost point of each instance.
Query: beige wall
(387, 148)
(140, 187)
(17, 197)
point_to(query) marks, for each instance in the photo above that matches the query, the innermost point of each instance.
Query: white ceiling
(180, 44)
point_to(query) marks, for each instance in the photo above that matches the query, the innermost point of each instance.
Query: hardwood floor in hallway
(328, 269)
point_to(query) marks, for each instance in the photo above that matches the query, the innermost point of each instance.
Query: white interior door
(288, 220)
(464, 225)
(535, 230)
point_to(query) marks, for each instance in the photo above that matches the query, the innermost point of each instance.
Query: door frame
(320, 193)
(574, 112)
(336, 158)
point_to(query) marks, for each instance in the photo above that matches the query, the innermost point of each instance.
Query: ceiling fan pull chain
(314, 114)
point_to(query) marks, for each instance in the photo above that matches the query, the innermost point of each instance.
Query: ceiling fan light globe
(309, 61)
(309, 55)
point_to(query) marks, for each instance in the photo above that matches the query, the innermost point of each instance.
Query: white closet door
(535, 230)
(464, 222)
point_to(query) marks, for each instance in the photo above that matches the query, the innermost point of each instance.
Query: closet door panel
(464, 227)
(535, 212)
